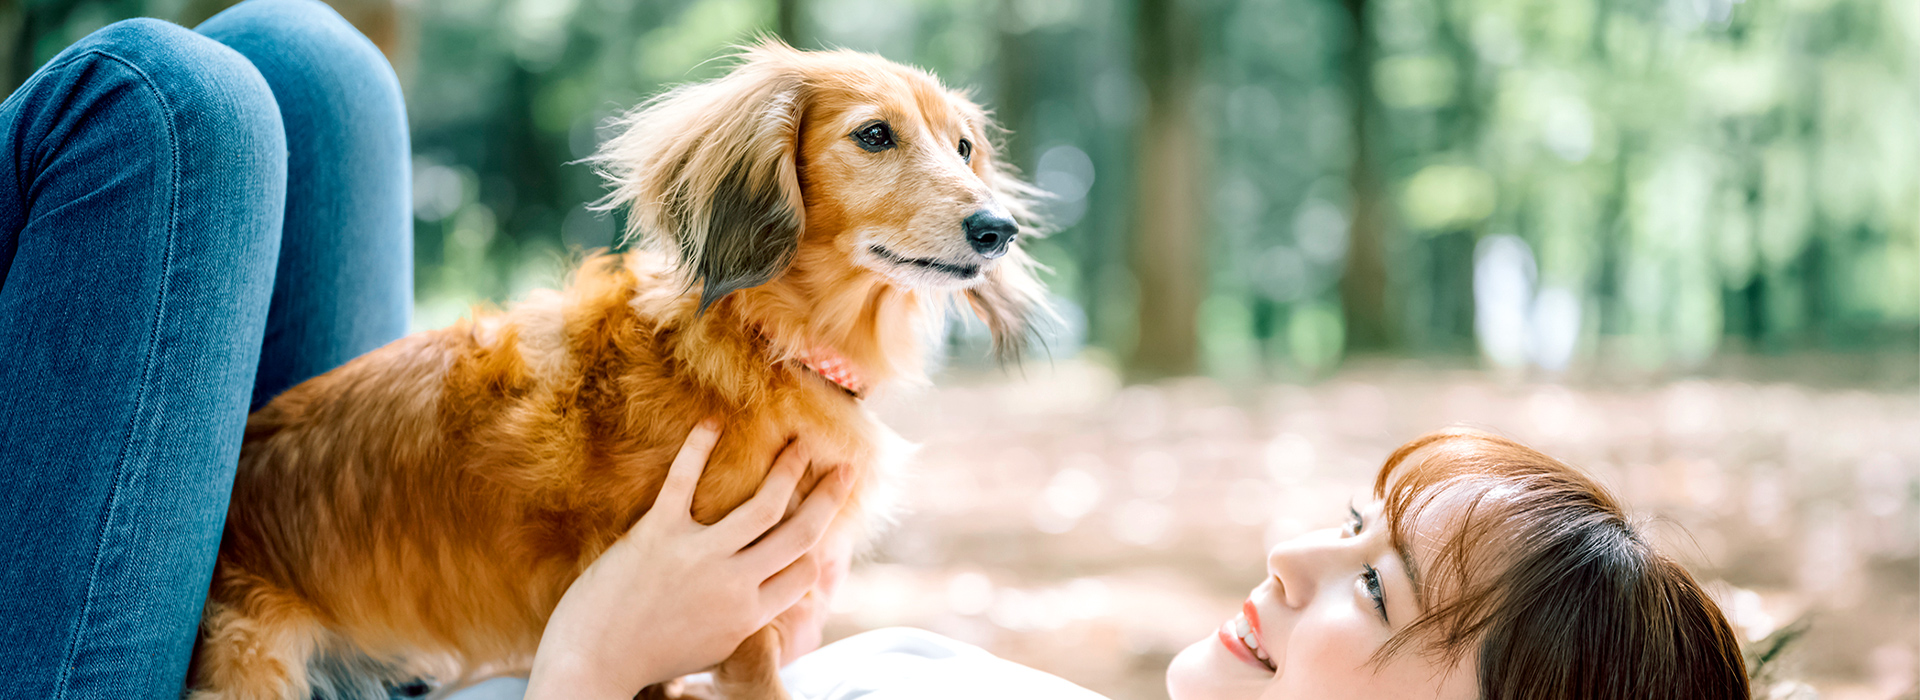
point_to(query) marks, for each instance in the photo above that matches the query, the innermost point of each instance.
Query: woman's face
(1331, 599)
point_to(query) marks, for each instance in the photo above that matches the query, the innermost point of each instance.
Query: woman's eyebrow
(1413, 571)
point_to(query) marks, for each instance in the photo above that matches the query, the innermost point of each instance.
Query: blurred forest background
(1263, 188)
(1677, 241)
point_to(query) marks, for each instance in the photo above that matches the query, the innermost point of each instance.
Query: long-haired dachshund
(420, 510)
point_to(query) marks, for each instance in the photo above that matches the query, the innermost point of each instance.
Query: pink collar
(835, 368)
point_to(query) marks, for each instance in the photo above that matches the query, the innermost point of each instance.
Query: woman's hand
(672, 596)
(806, 620)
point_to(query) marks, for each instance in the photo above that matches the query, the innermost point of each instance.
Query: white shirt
(903, 663)
(896, 663)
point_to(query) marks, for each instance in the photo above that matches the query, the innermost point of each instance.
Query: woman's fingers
(800, 533)
(760, 513)
(676, 493)
(785, 588)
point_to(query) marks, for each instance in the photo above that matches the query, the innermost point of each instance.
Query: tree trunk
(1363, 285)
(1169, 247)
(786, 21)
(1013, 99)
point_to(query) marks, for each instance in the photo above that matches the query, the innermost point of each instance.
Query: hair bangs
(1511, 503)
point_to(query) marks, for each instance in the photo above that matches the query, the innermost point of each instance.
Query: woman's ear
(1010, 300)
(710, 170)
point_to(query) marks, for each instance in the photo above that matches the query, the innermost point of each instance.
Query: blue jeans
(190, 222)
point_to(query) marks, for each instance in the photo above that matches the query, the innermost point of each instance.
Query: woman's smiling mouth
(1241, 637)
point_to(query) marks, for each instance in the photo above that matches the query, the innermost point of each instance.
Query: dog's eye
(874, 137)
(966, 150)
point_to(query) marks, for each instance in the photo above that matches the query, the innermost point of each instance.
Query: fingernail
(843, 475)
(710, 424)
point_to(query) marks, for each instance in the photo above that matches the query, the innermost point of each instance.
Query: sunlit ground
(1090, 530)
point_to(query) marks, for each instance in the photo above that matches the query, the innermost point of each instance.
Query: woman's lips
(1253, 617)
(1241, 637)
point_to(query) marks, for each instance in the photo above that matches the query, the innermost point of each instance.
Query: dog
(418, 511)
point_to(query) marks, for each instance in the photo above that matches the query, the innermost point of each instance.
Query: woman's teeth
(1244, 630)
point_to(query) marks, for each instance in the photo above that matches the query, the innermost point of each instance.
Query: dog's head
(829, 167)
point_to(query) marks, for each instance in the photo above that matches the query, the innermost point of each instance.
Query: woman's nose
(1302, 563)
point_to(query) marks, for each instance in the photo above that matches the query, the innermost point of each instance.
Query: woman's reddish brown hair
(1578, 603)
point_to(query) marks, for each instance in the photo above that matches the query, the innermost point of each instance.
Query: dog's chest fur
(437, 496)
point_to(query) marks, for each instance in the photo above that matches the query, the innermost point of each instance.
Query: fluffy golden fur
(421, 509)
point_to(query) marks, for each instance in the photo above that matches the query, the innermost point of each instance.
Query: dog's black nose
(990, 232)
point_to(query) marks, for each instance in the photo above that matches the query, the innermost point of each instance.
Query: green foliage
(1686, 177)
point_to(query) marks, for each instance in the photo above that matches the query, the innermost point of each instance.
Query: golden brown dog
(420, 510)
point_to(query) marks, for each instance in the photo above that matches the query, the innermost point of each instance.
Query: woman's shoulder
(898, 663)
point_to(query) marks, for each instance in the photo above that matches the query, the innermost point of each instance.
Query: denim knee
(345, 273)
(210, 100)
(308, 37)
(145, 98)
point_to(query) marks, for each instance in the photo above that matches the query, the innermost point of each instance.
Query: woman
(191, 221)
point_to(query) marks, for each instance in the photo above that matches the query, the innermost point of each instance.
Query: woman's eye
(966, 151)
(1371, 577)
(874, 137)
(1355, 523)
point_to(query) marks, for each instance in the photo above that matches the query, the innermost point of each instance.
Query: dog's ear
(1010, 300)
(709, 171)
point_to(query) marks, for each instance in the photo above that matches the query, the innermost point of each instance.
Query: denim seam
(146, 371)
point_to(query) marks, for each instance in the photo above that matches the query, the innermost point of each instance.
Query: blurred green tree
(1260, 187)
(1168, 245)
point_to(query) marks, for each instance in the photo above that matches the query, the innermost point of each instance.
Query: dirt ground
(1092, 531)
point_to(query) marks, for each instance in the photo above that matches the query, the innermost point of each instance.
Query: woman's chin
(1206, 671)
